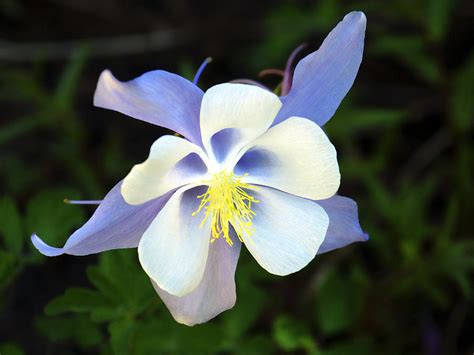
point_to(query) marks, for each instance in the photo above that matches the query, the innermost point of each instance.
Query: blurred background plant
(405, 141)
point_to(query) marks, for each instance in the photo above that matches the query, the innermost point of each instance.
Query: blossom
(252, 168)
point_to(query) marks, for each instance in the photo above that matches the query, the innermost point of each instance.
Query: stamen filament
(82, 202)
(288, 74)
(227, 202)
(201, 69)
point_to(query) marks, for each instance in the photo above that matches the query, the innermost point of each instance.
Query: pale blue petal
(288, 231)
(158, 97)
(114, 225)
(324, 77)
(344, 227)
(216, 292)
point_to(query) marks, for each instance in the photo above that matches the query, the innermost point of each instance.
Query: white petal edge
(173, 250)
(216, 292)
(288, 231)
(246, 108)
(300, 160)
(160, 173)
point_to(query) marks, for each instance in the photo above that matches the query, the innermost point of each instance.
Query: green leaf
(77, 328)
(121, 332)
(337, 304)
(359, 119)
(10, 349)
(251, 299)
(171, 337)
(255, 345)
(103, 284)
(19, 85)
(120, 277)
(67, 85)
(291, 335)
(356, 346)
(49, 217)
(410, 220)
(107, 314)
(18, 128)
(10, 227)
(438, 16)
(246, 311)
(76, 300)
(456, 261)
(187, 69)
(12, 170)
(302, 21)
(8, 267)
(410, 50)
(325, 14)
(461, 103)
(446, 231)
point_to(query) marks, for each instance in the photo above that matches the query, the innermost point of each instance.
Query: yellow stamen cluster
(227, 201)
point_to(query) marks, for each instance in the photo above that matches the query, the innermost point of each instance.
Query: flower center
(227, 201)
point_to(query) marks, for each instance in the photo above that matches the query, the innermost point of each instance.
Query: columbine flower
(252, 169)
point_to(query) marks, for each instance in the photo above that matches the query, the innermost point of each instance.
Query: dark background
(405, 143)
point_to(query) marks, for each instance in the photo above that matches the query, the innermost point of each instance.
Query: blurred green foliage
(406, 156)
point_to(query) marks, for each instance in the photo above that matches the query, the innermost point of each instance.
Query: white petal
(173, 250)
(294, 156)
(288, 231)
(244, 111)
(172, 163)
(216, 292)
